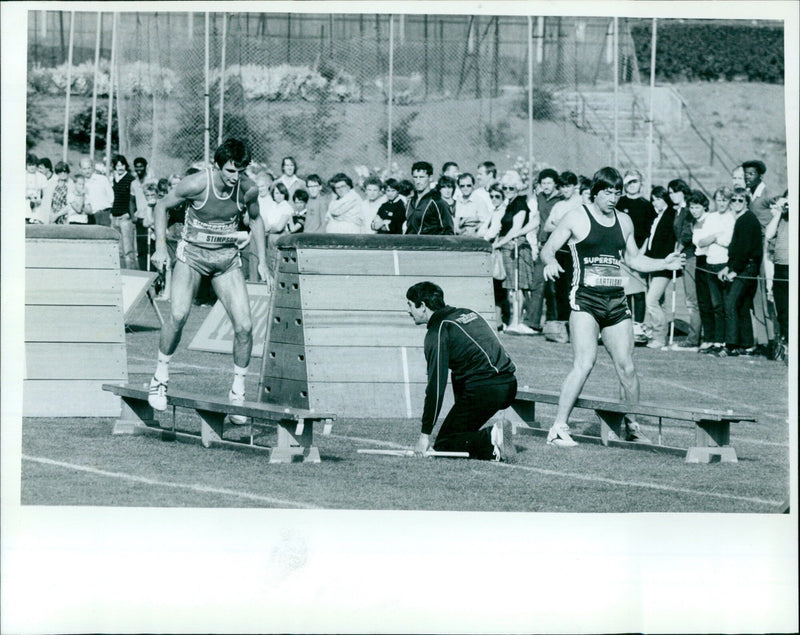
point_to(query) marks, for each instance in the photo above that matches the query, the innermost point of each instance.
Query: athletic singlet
(596, 259)
(221, 233)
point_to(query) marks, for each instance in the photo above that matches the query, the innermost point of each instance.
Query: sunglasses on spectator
(737, 199)
(500, 196)
(509, 188)
(464, 185)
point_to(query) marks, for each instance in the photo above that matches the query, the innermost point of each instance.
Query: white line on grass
(598, 479)
(656, 486)
(188, 486)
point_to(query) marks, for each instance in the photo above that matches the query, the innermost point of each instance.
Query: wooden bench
(295, 426)
(712, 427)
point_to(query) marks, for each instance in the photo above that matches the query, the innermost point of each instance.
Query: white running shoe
(236, 399)
(559, 436)
(157, 394)
(504, 449)
(635, 434)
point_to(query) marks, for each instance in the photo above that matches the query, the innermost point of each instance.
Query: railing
(715, 148)
(662, 141)
(606, 132)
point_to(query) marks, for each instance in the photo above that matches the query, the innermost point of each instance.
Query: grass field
(79, 461)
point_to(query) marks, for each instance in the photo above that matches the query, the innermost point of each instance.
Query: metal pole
(111, 79)
(222, 78)
(94, 84)
(652, 92)
(65, 147)
(615, 43)
(206, 100)
(391, 96)
(530, 98)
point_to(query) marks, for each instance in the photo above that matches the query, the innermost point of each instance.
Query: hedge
(711, 51)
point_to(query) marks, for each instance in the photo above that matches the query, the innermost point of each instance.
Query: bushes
(135, 78)
(285, 83)
(686, 52)
(542, 104)
(80, 130)
(497, 135)
(313, 129)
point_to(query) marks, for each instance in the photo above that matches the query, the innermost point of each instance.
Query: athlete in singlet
(210, 246)
(599, 239)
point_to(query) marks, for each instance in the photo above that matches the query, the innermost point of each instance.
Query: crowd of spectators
(735, 243)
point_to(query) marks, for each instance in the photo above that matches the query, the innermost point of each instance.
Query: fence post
(391, 95)
(712, 150)
(69, 85)
(92, 134)
(111, 80)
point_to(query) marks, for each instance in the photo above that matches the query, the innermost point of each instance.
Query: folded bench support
(712, 439)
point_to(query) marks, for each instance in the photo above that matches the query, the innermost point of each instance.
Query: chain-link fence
(317, 87)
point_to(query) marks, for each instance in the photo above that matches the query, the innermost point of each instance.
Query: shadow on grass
(141, 328)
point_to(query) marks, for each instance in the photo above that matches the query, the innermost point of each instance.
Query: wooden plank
(374, 400)
(196, 401)
(391, 262)
(74, 324)
(96, 287)
(68, 398)
(285, 360)
(71, 254)
(642, 408)
(364, 328)
(378, 364)
(67, 360)
(360, 293)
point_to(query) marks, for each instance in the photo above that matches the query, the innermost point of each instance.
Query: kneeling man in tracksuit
(483, 378)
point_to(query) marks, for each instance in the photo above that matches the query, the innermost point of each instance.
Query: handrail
(711, 144)
(609, 133)
(663, 140)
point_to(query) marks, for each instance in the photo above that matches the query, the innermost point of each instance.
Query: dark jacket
(684, 226)
(746, 244)
(427, 215)
(462, 341)
(663, 242)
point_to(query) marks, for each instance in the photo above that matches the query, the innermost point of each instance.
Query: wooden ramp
(339, 336)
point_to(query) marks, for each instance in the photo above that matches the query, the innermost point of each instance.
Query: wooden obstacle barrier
(339, 336)
(74, 327)
(295, 426)
(712, 427)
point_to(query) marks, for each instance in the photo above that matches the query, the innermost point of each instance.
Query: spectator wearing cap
(642, 215)
(745, 253)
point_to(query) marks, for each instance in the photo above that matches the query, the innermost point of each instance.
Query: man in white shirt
(484, 177)
(99, 193)
(374, 198)
(471, 210)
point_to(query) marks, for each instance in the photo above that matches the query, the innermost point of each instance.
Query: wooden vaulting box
(339, 336)
(74, 329)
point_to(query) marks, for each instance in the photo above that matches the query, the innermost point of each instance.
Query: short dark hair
(679, 185)
(604, 179)
(696, 197)
(285, 159)
(118, 158)
(496, 187)
(314, 178)
(140, 161)
(584, 183)
(427, 293)
(465, 175)
(341, 176)
(61, 168)
(405, 187)
(392, 183)
(373, 180)
(447, 165)
(31, 159)
(446, 181)
(162, 185)
(44, 161)
(547, 173)
(490, 168)
(759, 166)
(422, 165)
(234, 150)
(659, 191)
(300, 195)
(567, 178)
(743, 191)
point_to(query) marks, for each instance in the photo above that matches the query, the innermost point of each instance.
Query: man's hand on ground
(423, 444)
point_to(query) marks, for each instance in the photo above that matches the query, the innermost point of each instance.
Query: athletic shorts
(208, 262)
(607, 309)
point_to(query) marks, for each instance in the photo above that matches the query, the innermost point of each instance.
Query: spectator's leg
(655, 318)
(717, 300)
(533, 306)
(690, 298)
(780, 291)
(704, 301)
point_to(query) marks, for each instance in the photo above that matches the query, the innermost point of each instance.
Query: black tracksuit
(483, 378)
(744, 257)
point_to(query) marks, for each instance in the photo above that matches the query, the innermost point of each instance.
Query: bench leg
(210, 427)
(712, 438)
(611, 424)
(521, 414)
(295, 439)
(135, 413)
